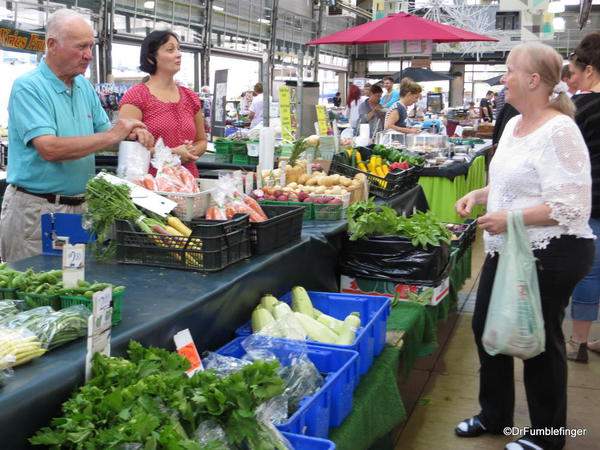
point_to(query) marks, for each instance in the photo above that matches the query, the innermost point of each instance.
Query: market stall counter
(157, 304)
(444, 185)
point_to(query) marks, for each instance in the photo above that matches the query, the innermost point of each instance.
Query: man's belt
(57, 199)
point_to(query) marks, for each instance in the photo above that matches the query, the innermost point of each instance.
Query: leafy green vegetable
(148, 400)
(422, 228)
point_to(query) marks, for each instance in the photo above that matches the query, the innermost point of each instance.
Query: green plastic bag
(514, 324)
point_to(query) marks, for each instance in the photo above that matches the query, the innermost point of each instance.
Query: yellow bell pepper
(361, 166)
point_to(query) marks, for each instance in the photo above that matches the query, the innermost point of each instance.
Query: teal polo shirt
(41, 104)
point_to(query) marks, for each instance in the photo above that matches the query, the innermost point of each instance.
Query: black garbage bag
(396, 259)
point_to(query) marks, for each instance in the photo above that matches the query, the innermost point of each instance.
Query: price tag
(186, 347)
(73, 264)
(99, 328)
(249, 182)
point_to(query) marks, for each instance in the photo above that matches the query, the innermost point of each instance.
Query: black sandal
(470, 428)
(522, 444)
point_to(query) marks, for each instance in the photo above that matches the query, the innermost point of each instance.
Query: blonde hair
(547, 63)
(57, 21)
(408, 86)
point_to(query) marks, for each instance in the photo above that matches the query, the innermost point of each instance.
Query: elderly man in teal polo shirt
(56, 124)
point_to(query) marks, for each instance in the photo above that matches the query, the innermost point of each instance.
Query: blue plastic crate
(300, 442)
(370, 338)
(333, 401)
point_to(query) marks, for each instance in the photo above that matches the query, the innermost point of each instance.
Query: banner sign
(410, 48)
(219, 111)
(285, 112)
(21, 41)
(322, 120)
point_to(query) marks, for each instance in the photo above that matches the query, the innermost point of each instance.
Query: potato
(323, 181)
(343, 191)
(336, 190)
(303, 178)
(320, 190)
(328, 191)
(345, 181)
(312, 181)
(335, 179)
(277, 188)
(292, 184)
(360, 176)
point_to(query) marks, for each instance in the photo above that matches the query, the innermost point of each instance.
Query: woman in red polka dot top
(169, 111)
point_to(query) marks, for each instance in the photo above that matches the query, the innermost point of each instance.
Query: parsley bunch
(148, 401)
(365, 219)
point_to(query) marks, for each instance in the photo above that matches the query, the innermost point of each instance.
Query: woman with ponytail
(584, 65)
(542, 168)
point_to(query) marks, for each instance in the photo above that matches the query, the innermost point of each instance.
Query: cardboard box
(351, 285)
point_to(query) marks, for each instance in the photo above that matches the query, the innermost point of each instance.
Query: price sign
(99, 327)
(186, 347)
(73, 264)
(322, 120)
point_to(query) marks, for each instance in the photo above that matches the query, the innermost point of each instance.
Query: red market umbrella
(400, 27)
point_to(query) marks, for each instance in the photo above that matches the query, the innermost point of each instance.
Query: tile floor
(442, 389)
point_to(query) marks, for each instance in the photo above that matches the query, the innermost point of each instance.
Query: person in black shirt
(486, 107)
(584, 65)
(337, 100)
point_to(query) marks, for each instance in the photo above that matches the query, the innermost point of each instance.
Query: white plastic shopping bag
(514, 324)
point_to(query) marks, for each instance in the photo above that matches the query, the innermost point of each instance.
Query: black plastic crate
(466, 236)
(396, 182)
(283, 226)
(213, 245)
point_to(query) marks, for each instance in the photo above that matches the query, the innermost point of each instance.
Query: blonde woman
(542, 168)
(396, 119)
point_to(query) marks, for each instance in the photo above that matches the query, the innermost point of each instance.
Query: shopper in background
(390, 96)
(56, 124)
(257, 107)
(170, 111)
(371, 111)
(584, 63)
(337, 99)
(485, 106)
(352, 102)
(396, 119)
(542, 168)
(567, 77)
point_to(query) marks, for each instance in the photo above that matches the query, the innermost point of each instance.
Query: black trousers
(560, 266)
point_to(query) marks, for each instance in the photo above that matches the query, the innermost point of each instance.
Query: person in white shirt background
(542, 168)
(256, 108)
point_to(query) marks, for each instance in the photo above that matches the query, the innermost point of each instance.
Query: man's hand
(494, 223)
(143, 136)
(124, 127)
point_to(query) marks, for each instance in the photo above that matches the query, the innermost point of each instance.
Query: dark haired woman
(170, 111)
(584, 64)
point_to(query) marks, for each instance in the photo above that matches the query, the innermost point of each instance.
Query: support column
(206, 46)
(457, 85)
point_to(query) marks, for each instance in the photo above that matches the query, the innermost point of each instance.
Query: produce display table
(157, 304)
(160, 302)
(443, 187)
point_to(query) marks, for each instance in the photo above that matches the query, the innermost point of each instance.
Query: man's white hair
(55, 27)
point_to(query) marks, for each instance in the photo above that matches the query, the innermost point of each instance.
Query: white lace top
(550, 165)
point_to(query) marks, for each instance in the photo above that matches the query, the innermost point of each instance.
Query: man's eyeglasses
(573, 56)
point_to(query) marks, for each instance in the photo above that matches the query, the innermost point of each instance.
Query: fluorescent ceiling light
(220, 8)
(555, 6)
(558, 23)
(149, 5)
(570, 2)
(265, 21)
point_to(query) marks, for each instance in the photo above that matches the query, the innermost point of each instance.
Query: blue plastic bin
(333, 401)
(300, 442)
(370, 338)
